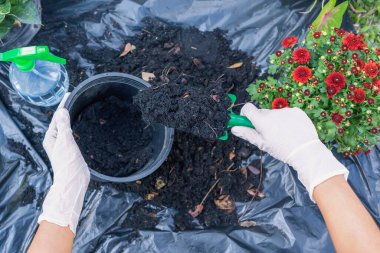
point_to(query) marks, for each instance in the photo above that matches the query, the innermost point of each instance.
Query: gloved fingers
(63, 101)
(248, 134)
(62, 118)
(50, 137)
(51, 134)
(253, 114)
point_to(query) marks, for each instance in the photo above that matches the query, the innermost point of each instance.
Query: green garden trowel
(235, 119)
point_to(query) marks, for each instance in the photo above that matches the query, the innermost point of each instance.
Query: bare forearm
(351, 227)
(52, 238)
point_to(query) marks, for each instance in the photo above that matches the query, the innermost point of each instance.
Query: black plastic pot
(123, 86)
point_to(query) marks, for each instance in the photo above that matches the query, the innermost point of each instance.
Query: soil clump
(113, 138)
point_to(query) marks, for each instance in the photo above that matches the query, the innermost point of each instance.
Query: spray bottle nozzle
(25, 58)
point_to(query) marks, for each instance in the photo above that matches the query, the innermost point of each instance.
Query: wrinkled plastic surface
(287, 220)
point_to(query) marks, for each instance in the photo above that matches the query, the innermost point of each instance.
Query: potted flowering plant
(334, 76)
(20, 20)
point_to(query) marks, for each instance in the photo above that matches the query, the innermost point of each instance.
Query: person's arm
(289, 135)
(52, 238)
(351, 227)
(63, 203)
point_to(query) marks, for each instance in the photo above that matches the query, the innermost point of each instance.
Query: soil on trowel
(166, 54)
(113, 138)
(200, 111)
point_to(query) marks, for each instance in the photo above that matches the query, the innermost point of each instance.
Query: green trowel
(235, 119)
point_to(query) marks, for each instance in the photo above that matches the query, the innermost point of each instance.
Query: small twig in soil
(258, 187)
(213, 186)
(216, 135)
(209, 191)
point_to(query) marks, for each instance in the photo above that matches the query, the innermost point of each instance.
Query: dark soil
(182, 56)
(200, 111)
(29, 194)
(113, 138)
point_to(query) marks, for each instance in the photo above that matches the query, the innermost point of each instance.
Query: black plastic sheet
(287, 220)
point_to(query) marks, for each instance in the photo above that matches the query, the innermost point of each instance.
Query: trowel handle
(238, 120)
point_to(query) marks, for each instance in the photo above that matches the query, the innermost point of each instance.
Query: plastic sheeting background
(287, 220)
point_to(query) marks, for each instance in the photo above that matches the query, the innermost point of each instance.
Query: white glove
(289, 135)
(64, 201)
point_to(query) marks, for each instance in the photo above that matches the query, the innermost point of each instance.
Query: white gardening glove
(64, 201)
(289, 135)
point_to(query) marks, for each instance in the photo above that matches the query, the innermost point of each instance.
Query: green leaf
(329, 17)
(322, 15)
(272, 69)
(27, 13)
(5, 8)
(2, 17)
(6, 26)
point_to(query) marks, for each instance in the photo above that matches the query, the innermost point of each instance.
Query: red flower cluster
(335, 78)
(279, 103)
(301, 74)
(289, 41)
(301, 55)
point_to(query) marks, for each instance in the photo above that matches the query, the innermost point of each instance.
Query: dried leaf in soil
(244, 171)
(254, 193)
(247, 223)
(225, 202)
(160, 183)
(146, 76)
(235, 65)
(128, 48)
(197, 211)
(150, 196)
(231, 155)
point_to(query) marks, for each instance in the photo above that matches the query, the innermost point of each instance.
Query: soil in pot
(112, 137)
(183, 56)
(200, 111)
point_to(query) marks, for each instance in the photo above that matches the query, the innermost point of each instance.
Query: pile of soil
(112, 137)
(200, 111)
(183, 56)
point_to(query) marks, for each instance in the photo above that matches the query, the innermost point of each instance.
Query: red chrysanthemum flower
(301, 55)
(331, 90)
(317, 35)
(337, 118)
(289, 41)
(357, 152)
(336, 79)
(301, 74)
(367, 85)
(371, 69)
(279, 103)
(351, 41)
(378, 51)
(360, 63)
(359, 95)
(341, 32)
(376, 83)
(363, 44)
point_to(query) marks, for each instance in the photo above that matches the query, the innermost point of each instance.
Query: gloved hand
(64, 201)
(289, 135)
